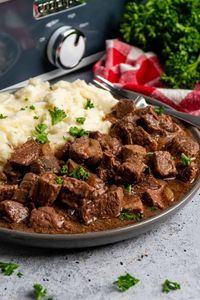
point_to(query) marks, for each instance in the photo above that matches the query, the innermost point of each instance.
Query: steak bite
(185, 144)
(86, 150)
(106, 206)
(188, 173)
(123, 130)
(124, 107)
(13, 212)
(143, 138)
(27, 189)
(45, 164)
(48, 189)
(129, 152)
(150, 123)
(76, 187)
(46, 218)
(131, 171)
(26, 154)
(154, 197)
(107, 142)
(163, 164)
(108, 169)
(13, 174)
(7, 191)
(63, 151)
(132, 203)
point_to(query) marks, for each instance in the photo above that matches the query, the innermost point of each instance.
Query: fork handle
(193, 120)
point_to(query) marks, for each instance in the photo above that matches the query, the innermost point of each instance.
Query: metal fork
(143, 101)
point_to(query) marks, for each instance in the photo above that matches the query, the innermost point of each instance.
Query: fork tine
(105, 81)
(99, 84)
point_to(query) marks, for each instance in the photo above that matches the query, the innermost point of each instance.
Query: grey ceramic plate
(97, 238)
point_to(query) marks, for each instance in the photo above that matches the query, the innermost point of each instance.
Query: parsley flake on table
(78, 132)
(125, 282)
(57, 115)
(80, 120)
(64, 170)
(185, 159)
(89, 104)
(19, 274)
(159, 110)
(58, 180)
(127, 215)
(2, 116)
(8, 268)
(41, 137)
(168, 286)
(80, 173)
(40, 291)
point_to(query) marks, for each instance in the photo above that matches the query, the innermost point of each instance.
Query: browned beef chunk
(188, 173)
(167, 123)
(7, 191)
(46, 218)
(123, 130)
(96, 183)
(71, 165)
(76, 187)
(129, 152)
(109, 167)
(13, 212)
(86, 150)
(3, 177)
(164, 164)
(45, 164)
(186, 145)
(132, 203)
(147, 182)
(63, 151)
(46, 150)
(13, 174)
(106, 206)
(48, 189)
(131, 171)
(26, 154)
(154, 197)
(143, 138)
(124, 107)
(147, 110)
(107, 143)
(150, 123)
(27, 190)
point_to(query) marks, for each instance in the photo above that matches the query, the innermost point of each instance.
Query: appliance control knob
(66, 47)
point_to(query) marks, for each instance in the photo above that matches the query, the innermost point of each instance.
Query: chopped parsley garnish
(149, 170)
(80, 173)
(57, 115)
(26, 99)
(80, 120)
(159, 110)
(125, 282)
(128, 188)
(76, 132)
(185, 159)
(127, 215)
(8, 268)
(59, 180)
(89, 104)
(64, 170)
(24, 108)
(150, 153)
(168, 286)
(35, 117)
(42, 136)
(153, 208)
(19, 274)
(32, 107)
(40, 291)
(2, 116)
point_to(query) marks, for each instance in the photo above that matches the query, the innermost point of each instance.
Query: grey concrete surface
(171, 251)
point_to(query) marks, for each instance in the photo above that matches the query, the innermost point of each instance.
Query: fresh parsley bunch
(170, 28)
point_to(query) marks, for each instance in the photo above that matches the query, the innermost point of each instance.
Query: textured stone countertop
(170, 251)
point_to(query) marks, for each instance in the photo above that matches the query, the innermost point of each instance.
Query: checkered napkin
(132, 69)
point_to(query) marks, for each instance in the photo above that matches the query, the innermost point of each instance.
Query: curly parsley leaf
(125, 282)
(32, 107)
(40, 291)
(76, 132)
(2, 116)
(64, 170)
(185, 159)
(89, 104)
(59, 180)
(128, 188)
(127, 215)
(8, 268)
(80, 173)
(168, 286)
(41, 137)
(57, 115)
(159, 110)
(80, 120)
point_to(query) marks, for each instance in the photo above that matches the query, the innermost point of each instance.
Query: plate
(84, 240)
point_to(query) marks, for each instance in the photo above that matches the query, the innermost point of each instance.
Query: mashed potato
(22, 112)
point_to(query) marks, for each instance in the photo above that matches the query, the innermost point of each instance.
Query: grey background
(170, 251)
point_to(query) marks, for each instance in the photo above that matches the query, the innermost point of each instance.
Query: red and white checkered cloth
(132, 69)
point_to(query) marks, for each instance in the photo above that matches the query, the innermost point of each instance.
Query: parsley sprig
(80, 173)
(89, 104)
(40, 292)
(2, 116)
(159, 110)
(125, 282)
(185, 159)
(41, 137)
(168, 286)
(64, 170)
(78, 132)
(59, 180)
(127, 215)
(80, 120)
(57, 115)
(8, 268)
(128, 188)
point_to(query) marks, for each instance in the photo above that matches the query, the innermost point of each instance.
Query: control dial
(66, 47)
